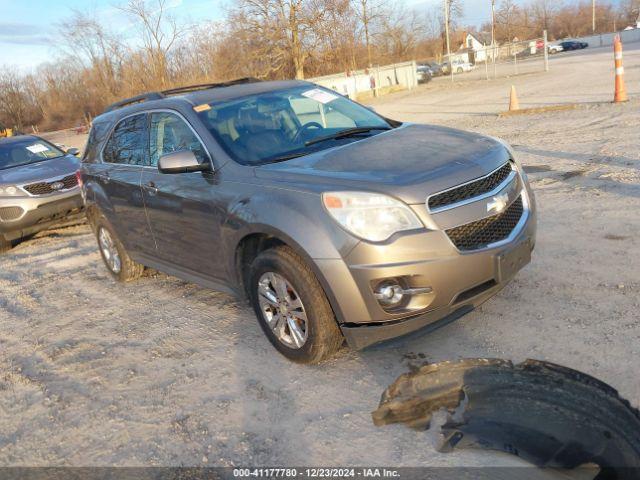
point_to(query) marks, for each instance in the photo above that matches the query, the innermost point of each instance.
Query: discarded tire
(547, 414)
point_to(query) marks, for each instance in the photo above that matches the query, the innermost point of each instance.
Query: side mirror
(181, 162)
(73, 151)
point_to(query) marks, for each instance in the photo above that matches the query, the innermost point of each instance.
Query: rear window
(17, 152)
(97, 135)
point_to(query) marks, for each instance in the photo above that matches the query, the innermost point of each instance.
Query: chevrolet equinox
(335, 222)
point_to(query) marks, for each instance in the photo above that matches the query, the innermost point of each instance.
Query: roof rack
(206, 86)
(137, 99)
(145, 97)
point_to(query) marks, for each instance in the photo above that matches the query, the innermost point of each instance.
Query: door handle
(151, 186)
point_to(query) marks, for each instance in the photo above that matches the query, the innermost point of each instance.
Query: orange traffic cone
(513, 100)
(620, 93)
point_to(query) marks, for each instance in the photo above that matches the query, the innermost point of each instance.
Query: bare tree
(338, 48)
(88, 41)
(505, 16)
(629, 12)
(543, 13)
(368, 12)
(160, 31)
(282, 30)
(14, 105)
(270, 39)
(401, 30)
(456, 12)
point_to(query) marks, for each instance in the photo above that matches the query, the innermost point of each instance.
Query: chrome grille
(45, 188)
(481, 233)
(471, 189)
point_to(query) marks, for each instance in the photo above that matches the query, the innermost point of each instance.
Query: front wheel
(292, 308)
(459, 70)
(114, 255)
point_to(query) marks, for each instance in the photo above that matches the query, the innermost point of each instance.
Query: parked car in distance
(555, 48)
(573, 45)
(460, 66)
(335, 222)
(436, 68)
(424, 73)
(38, 188)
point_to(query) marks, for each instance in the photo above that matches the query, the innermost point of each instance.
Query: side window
(99, 131)
(169, 133)
(128, 141)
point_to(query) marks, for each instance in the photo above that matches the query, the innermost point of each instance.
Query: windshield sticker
(320, 95)
(37, 148)
(202, 108)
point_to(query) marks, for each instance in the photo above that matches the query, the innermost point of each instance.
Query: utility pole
(446, 30)
(545, 45)
(493, 34)
(593, 16)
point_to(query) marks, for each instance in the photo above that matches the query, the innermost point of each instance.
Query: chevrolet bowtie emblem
(498, 203)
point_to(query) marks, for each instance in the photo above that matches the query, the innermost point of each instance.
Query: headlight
(10, 191)
(370, 216)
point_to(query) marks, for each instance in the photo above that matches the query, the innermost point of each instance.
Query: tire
(5, 246)
(322, 335)
(121, 267)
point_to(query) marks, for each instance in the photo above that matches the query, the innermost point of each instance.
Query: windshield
(278, 125)
(23, 151)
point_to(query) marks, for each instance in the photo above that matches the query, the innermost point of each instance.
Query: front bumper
(460, 281)
(39, 213)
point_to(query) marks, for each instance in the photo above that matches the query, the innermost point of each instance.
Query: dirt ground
(163, 372)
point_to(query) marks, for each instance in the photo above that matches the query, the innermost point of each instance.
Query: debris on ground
(547, 414)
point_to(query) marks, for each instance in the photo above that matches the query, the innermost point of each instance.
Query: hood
(35, 172)
(409, 162)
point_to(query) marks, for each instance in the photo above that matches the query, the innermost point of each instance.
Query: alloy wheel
(283, 310)
(109, 250)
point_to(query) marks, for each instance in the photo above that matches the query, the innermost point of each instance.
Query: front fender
(296, 218)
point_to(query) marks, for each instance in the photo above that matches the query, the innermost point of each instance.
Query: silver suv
(38, 188)
(335, 222)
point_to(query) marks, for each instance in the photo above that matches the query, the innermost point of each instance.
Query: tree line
(267, 39)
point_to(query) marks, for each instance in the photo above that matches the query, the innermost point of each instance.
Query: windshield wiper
(344, 133)
(341, 134)
(282, 158)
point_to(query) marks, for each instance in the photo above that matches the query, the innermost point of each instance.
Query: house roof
(482, 37)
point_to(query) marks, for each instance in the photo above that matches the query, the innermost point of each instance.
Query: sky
(28, 28)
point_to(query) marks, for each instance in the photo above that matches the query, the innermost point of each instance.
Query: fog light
(389, 293)
(392, 294)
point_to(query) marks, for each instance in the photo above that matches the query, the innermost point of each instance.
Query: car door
(183, 209)
(123, 159)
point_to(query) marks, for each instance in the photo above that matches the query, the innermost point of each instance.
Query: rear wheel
(114, 255)
(292, 308)
(459, 70)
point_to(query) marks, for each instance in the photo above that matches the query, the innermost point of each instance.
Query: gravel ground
(163, 372)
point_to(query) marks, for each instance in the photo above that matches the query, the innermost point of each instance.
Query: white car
(460, 66)
(555, 48)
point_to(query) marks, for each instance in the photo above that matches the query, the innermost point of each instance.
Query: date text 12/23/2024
(373, 472)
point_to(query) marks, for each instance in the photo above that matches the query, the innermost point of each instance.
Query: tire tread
(328, 338)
